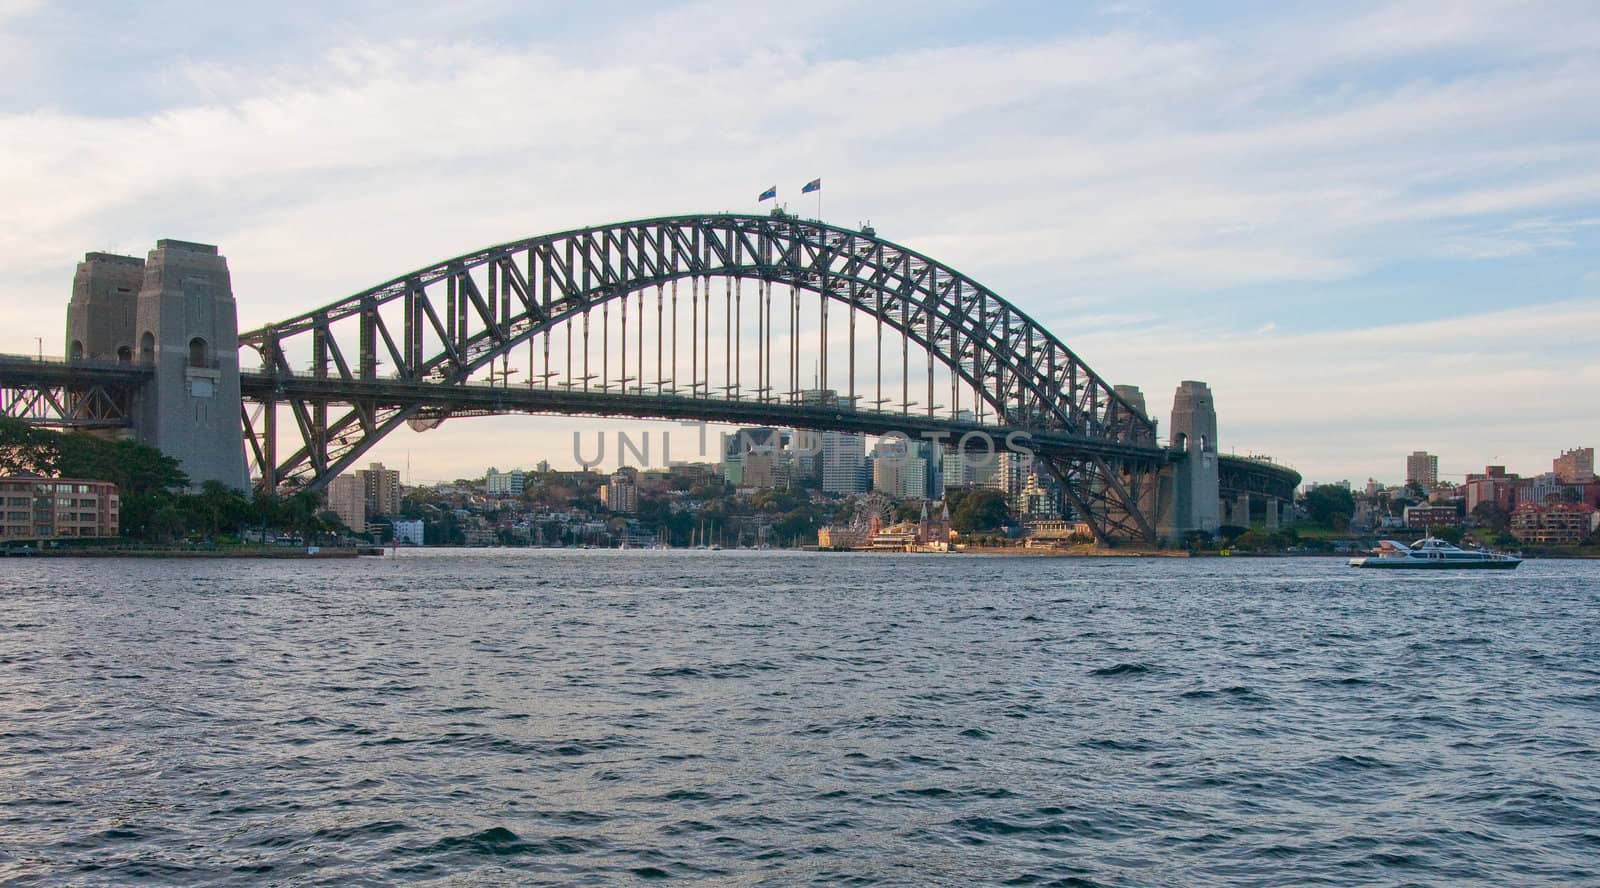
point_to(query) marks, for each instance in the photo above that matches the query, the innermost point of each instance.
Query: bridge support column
(187, 328)
(1272, 512)
(1239, 514)
(1192, 488)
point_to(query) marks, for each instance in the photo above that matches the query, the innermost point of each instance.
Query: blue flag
(813, 185)
(769, 194)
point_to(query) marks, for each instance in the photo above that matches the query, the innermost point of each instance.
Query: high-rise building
(900, 468)
(1575, 466)
(1039, 497)
(765, 470)
(887, 456)
(382, 490)
(1012, 470)
(620, 493)
(844, 458)
(753, 457)
(967, 468)
(1423, 468)
(347, 498)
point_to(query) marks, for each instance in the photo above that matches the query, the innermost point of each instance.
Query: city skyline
(1370, 233)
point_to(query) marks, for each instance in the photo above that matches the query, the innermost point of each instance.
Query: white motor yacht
(1433, 554)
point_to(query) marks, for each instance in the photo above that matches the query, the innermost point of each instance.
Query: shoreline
(266, 553)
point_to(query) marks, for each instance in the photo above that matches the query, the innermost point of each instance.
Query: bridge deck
(23, 370)
(473, 399)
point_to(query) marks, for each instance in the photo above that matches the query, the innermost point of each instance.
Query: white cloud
(1348, 403)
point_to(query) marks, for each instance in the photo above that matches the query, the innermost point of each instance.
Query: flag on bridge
(769, 194)
(813, 185)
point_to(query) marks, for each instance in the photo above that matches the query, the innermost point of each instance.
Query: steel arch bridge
(445, 337)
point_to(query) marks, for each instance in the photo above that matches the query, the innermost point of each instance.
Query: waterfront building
(637, 536)
(408, 532)
(1056, 531)
(34, 507)
(1558, 524)
(347, 498)
(844, 536)
(929, 533)
(1423, 468)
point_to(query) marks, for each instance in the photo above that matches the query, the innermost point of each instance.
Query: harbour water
(603, 718)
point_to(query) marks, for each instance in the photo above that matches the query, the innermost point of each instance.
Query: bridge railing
(62, 361)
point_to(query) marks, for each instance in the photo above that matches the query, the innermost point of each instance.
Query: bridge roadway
(485, 399)
(1239, 475)
(26, 370)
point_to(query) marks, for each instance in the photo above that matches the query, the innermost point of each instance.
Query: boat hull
(1408, 564)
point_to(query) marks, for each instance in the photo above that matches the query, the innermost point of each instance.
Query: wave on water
(550, 718)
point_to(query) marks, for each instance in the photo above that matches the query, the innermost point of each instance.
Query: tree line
(157, 504)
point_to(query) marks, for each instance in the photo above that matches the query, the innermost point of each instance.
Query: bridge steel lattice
(438, 333)
(69, 395)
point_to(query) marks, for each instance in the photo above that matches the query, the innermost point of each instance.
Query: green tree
(1330, 506)
(1490, 515)
(216, 509)
(1449, 533)
(25, 448)
(795, 526)
(147, 480)
(1197, 540)
(1251, 541)
(981, 510)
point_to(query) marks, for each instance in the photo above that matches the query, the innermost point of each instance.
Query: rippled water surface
(601, 718)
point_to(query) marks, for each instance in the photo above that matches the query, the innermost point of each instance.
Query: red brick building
(1493, 486)
(38, 508)
(1561, 523)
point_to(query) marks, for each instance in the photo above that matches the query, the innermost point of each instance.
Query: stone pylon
(175, 312)
(1191, 487)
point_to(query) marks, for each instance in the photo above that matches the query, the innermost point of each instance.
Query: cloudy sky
(1371, 229)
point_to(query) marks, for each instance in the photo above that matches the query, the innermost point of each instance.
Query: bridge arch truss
(438, 341)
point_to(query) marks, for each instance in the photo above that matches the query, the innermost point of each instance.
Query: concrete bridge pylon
(1191, 487)
(174, 312)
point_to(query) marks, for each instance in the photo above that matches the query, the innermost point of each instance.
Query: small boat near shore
(1432, 553)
